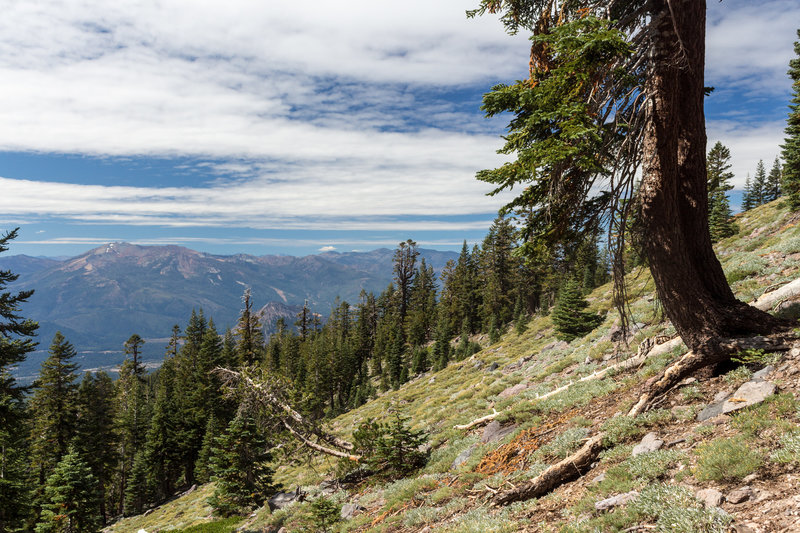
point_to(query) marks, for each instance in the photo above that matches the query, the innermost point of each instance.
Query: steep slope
(552, 396)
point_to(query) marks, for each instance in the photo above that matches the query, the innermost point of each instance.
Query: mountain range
(101, 297)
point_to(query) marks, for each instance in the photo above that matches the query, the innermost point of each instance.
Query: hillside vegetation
(738, 468)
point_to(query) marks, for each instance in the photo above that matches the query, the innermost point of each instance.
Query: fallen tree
(268, 392)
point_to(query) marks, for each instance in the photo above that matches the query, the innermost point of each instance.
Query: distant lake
(92, 361)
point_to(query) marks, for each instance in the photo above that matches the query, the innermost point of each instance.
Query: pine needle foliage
(240, 467)
(791, 146)
(391, 449)
(569, 317)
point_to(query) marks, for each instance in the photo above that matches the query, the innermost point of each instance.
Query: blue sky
(280, 127)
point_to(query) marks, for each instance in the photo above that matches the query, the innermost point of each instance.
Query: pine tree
(53, 408)
(718, 168)
(748, 202)
(773, 189)
(250, 343)
(137, 488)
(162, 446)
(240, 468)
(16, 342)
(131, 420)
(759, 185)
(95, 438)
(202, 470)
(569, 317)
(405, 260)
(720, 221)
(73, 501)
(791, 147)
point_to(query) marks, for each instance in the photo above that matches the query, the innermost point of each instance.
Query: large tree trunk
(674, 201)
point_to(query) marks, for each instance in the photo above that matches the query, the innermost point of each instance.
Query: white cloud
(327, 248)
(323, 114)
(748, 144)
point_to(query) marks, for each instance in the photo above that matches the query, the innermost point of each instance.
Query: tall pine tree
(72, 499)
(719, 175)
(53, 408)
(16, 341)
(791, 145)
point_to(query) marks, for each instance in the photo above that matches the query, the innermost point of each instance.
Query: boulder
(283, 499)
(740, 495)
(462, 458)
(710, 497)
(494, 431)
(615, 501)
(555, 345)
(649, 443)
(350, 509)
(748, 394)
(762, 374)
(493, 367)
(513, 391)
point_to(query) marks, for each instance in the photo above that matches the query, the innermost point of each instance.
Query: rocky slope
(720, 452)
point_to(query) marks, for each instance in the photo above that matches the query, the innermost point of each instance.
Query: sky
(268, 127)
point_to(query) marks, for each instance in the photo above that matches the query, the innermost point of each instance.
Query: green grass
(727, 459)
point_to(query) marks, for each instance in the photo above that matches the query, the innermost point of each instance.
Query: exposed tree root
(716, 352)
(562, 472)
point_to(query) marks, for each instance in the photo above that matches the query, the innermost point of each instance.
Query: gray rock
(710, 497)
(555, 345)
(740, 495)
(750, 393)
(494, 431)
(493, 367)
(513, 391)
(762, 374)
(715, 409)
(432, 380)
(462, 458)
(283, 499)
(721, 396)
(598, 479)
(328, 487)
(649, 443)
(615, 501)
(350, 509)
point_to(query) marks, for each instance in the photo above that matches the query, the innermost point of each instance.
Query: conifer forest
(616, 293)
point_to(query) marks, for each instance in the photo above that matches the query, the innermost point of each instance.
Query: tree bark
(674, 201)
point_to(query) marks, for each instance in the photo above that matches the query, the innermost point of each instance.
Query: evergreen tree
(133, 347)
(569, 317)
(73, 501)
(240, 468)
(248, 331)
(520, 317)
(422, 306)
(748, 202)
(497, 267)
(405, 260)
(137, 489)
(95, 438)
(163, 445)
(719, 175)
(773, 189)
(16, 342)
(575, 166)
(131, 420)
(790, 150)
(758, 186)
(53, 408)
(720, 221)
(202, 470)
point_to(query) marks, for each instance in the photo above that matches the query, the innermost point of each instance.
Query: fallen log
(769, 300)
(562, 472)
(303, 429)
(478, 421)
